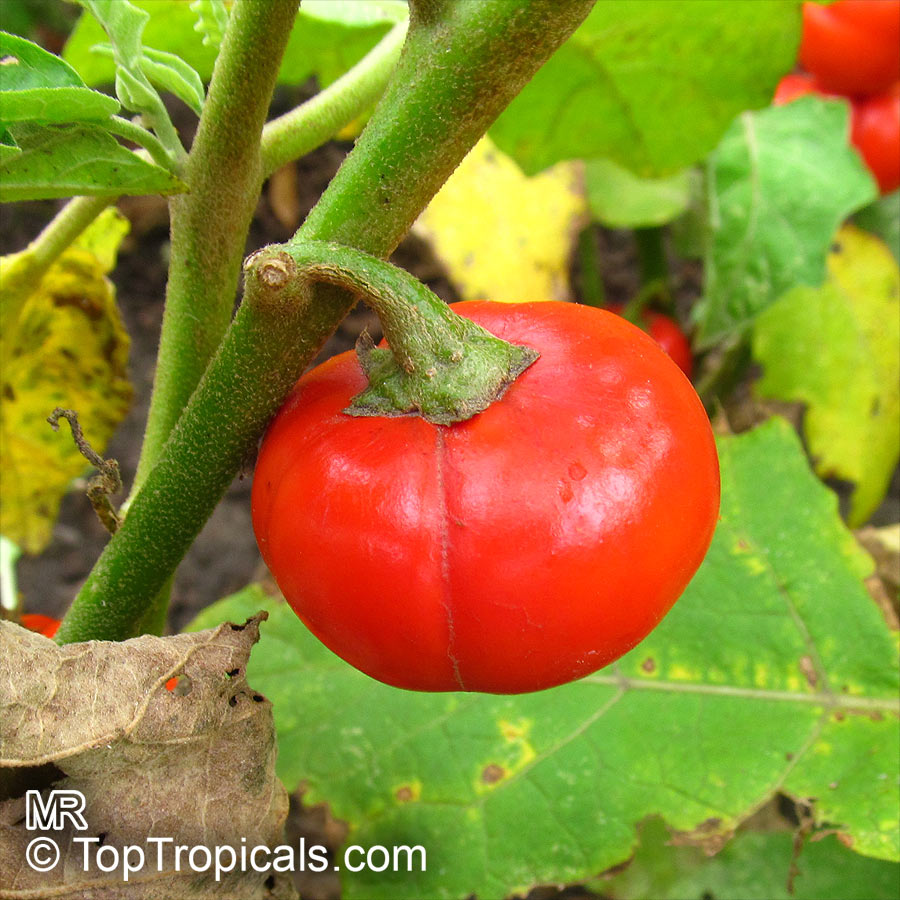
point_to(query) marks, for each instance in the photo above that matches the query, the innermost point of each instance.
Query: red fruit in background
(797, 84)
(876, 134)
(521, 549)
(852, 46)
(40, 623)
(667, 333)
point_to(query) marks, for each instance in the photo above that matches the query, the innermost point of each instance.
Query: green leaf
(746, 688)
(651, 84)
(778, 186)
(39, 87)
(883, 219)
(170, 27)
(164, 70)
(325, 42)
(61, 105)
(619, 199)
(212, 20)
(65, 161)
(173, 74)
(9, 149)
(124, 22)
(837, 349)
(25, 65)
(754, 866)
(67, 348)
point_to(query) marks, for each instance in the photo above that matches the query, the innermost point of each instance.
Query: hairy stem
(210, 224)
(150, 142)
(239, 393)
(463, 62)
(308, 126)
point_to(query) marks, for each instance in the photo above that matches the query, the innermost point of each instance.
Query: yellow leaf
(504, 236)
(69, 349)
(837, 349)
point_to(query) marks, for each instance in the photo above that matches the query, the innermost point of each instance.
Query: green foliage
(778, 185)
(55, 138)
(327, 39)
(651, 84)
(852, 424)
(883, 218)
(774, 671)
(84, 159)
(620, 199)
(756, 865)
(212, 19)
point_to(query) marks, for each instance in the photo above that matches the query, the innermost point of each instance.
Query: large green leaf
(651, 84)
(837, 349)
(779, 185)
(83, 159)
(775, 671)
(754, 866)
(326, 40)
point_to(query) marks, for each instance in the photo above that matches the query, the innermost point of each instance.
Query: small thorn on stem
(109, 479)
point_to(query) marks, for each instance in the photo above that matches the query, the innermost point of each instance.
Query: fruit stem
(440, 365)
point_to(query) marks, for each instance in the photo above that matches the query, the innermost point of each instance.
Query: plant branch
(210, 224)
(241, 390)
(133, 132)
(463, 62)
(308, 126)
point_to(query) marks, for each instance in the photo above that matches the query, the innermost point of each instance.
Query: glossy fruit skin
(40, 623)
(875, 132)
(521, 549)
(852, 47)
(667, 333)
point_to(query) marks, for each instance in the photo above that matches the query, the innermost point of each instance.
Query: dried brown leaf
(195, 763)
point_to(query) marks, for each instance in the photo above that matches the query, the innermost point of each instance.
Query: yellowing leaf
(68, 348)
(504, 236)
(837, 349)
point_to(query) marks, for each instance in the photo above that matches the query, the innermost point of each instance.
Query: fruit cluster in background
(851, 49)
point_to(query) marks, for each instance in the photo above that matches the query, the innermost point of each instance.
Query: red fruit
(40, 623)
(667, 333)
(852, 46)
(876, 134)
(523, 548)
(797, 84)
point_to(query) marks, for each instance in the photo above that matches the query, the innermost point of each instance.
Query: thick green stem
(463, 62)
(239, 393)
(21, 271)
(308, 126)
(210, 224)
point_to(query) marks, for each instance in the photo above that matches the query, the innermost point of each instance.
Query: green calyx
(456, 386)
(440, 366)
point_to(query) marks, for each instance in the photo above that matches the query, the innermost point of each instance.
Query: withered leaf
(165, 739)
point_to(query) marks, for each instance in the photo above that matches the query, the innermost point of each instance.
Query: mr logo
(51, 814)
